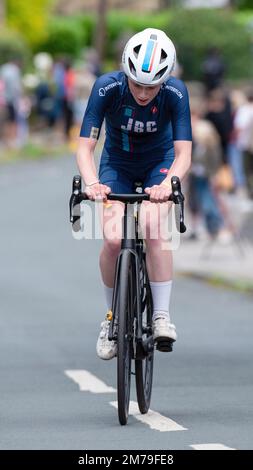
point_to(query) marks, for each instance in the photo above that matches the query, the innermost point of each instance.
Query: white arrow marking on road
(88, 382)
(153, 419)
(211, 447)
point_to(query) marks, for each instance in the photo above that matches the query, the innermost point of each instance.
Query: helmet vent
(163, 56)
(131, 67)
(160, 73)
(137, 50)
(154, 37)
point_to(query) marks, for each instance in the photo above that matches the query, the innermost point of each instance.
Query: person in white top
(11, 79)
(244, 127)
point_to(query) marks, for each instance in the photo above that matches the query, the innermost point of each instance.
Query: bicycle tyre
(124, 308)
(144, 367)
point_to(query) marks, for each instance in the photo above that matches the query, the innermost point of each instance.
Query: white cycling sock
(108, 296)
(161, 292)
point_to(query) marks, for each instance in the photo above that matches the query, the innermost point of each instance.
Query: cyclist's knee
(153, 230)
(112, 222)
(112, 246)
(153, 217)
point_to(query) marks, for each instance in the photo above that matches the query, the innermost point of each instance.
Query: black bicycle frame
(128, 242)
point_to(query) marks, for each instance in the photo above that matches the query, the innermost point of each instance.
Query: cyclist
(148, 138)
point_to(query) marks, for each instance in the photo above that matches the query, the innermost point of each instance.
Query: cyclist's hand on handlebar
(97, 192)
(159, 193)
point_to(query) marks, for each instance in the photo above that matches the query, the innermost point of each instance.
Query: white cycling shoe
(105, 349)
(163, 330)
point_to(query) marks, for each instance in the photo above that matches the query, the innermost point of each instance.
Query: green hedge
(244, 4)
(64, 36)
(12, 47)
(193, 32)
(87, 25)
(118, 22)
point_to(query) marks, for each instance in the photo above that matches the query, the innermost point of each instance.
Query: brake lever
(178, 198)
(75, 199)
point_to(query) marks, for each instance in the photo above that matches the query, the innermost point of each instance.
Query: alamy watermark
(98, 220)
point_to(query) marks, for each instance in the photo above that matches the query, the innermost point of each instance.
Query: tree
(100, 30)
(2, 12)
(29, 18)
(165, 4)
(241, 4)
(245, 4)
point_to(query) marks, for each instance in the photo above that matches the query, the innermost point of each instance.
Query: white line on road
(153, 419)
(211, 447)
(88, 382)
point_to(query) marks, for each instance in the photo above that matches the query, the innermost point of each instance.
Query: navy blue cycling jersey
(132, 129)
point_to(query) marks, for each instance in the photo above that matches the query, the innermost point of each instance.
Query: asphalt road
(51, 305)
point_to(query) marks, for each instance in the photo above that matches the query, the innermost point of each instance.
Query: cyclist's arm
(180, 166)
(87, 168)
(89, 134)
(182, 161)
(92, 122)
(85, 159)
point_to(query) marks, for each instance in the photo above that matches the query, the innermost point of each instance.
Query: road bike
(132, 306)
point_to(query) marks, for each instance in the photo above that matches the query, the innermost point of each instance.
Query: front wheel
(124, 313)
(144, 367)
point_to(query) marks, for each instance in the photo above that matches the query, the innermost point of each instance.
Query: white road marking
(153, 419)
(88, 382)
(211, 447)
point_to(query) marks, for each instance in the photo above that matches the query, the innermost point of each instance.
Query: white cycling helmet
(149, 57)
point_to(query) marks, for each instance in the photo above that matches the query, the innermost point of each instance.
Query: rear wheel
(144, 367)
(124, 307)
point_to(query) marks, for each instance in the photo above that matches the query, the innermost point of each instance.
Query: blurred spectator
(93, 63)
(120, 43)
(69, 95)
(10, 76)
(235, 153)
(23, 113)
(2, 98)
(219, 113)
(45, 101)
(80, 102)
(43, 63)
(244, 128)
(206, 161)
(178, 70)
(59, 89)
(83, 83)
(2, 108)
(213, 69)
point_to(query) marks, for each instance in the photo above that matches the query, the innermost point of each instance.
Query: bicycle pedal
(165, 345)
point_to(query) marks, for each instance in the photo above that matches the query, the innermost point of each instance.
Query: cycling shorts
(121, 174)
